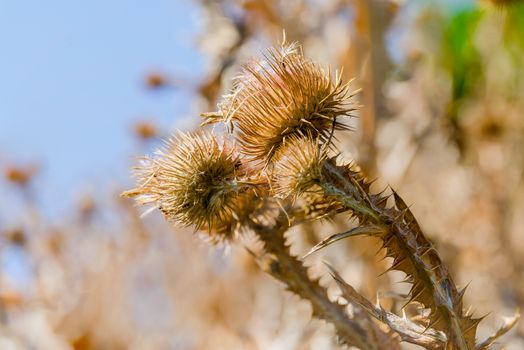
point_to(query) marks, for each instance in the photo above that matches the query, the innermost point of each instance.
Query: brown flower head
(298, 167)
(281, 96)
(195, 180)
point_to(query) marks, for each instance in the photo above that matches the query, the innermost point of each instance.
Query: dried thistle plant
(281, 96)
(282, 113)
(195, 180)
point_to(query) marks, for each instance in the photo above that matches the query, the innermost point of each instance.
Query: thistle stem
(289, 270)
(426, 266)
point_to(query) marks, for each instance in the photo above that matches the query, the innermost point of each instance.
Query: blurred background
(87, 88)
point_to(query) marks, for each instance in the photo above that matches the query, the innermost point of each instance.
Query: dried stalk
(289, 270)
(412, 252)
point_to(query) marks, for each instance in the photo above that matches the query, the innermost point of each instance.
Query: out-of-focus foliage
(442, 122)
(474, 42)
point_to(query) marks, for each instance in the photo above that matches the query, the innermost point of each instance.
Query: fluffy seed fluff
(298, 167)
(281, 96)
(194, 180)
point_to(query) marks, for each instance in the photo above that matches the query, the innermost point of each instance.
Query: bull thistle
(282, 114)
(195, 180)
(281, 96)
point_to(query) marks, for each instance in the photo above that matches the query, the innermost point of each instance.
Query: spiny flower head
(195, 180)
(298, 167)
(281, 96)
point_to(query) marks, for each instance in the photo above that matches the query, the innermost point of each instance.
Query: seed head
(298, 167)
(282, 96)
(194, 180)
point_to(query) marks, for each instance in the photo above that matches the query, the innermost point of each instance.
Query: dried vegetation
(276, 177)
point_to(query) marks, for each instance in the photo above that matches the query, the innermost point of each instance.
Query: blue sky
(71, 86)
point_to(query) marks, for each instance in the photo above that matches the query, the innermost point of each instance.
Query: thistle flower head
(282, 96)
(194, 180)
(298, 167)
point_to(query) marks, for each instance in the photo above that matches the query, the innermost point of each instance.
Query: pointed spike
(414, 296)
(372, 181)
(398, 261)
(399, 202)
(463, 291)
(432, 323)
(365, 185)
(387, 242)
(393, 267)
(401, 216)
(473, 323)
(382, 192)
(382, 202)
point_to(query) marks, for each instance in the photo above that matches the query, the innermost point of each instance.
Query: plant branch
(289, 270)
(412, 252)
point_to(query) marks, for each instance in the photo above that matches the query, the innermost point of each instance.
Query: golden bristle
(298, 167)
(194, 180)
(282, 96)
